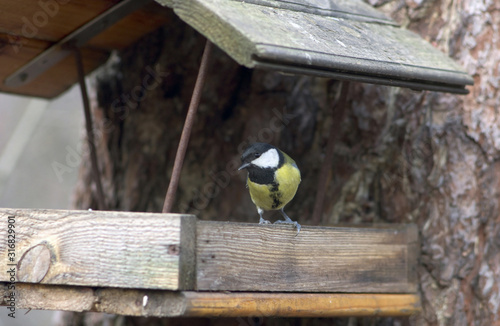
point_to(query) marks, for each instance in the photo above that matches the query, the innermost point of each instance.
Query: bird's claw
(295, 224)
(263, 221)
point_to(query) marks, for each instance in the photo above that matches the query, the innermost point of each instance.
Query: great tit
(273, 179)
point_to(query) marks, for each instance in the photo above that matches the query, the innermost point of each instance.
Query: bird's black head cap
(254, 151)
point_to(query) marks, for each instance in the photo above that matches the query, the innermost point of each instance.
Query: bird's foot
(295, 224)
(263, 221)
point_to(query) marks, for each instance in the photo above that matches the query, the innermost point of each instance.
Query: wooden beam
(252, 257)
(205, 304)
(177, 252)
(98, 248)
(156, 303)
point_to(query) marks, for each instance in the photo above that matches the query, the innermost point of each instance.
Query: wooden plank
(345, 9)
(54, 81)
(300, 304)
(157, 303)
(48, 20)
(83, 299)
(252, 257)
(16, 51)
(25, 33)
(78, 37)
(260, 34)
(176, 252)
(97, 248)
(53, 20)
(131, 28)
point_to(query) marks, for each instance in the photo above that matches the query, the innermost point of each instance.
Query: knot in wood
(173, 249)
(34, 264)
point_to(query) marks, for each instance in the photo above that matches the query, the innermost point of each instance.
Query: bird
(273, 179)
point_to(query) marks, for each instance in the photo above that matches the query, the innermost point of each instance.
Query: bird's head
(260, 156)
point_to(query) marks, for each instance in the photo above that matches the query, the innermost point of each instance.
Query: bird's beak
(243, 166)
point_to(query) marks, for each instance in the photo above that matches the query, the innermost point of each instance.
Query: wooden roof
(27, 28)
(341, 39)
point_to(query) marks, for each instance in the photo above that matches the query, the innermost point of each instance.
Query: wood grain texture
(177, 252)
(413, 241)
(131, 28)
(97, 248)
(30, 27)
(157, 303)
(55, 80)
(110, 300)
(52, 20)
(253, 27)
(48, 20)
(252, 257)
(299, 304)
(187, 253)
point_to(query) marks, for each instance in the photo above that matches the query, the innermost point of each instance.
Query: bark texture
(401, 156)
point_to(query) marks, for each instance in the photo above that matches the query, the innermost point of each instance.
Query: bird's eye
(257, 155)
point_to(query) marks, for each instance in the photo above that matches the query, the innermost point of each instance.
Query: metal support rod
(338, 113)
(186, 131)
(90, 131)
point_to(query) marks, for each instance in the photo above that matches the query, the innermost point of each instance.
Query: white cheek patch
(269, 159)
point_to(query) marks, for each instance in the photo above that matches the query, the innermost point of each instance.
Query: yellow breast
(276, 195)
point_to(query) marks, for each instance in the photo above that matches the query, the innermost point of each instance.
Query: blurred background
(36, 139)
(38, 165)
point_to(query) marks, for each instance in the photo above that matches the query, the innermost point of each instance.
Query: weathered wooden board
(98, 248)
(177, 252)
(157, 303)
(325, 38)
(252, 257)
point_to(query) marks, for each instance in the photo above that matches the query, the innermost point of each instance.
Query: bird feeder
(181, 266)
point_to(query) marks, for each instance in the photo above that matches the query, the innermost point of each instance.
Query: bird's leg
(262, 220)
(288, 221)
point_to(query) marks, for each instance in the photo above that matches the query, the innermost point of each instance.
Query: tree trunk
(400, 156)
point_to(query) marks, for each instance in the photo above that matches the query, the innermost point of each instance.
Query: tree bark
(401, 157)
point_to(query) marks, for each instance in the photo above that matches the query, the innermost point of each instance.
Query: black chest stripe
(261, 176)
(276, 196)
